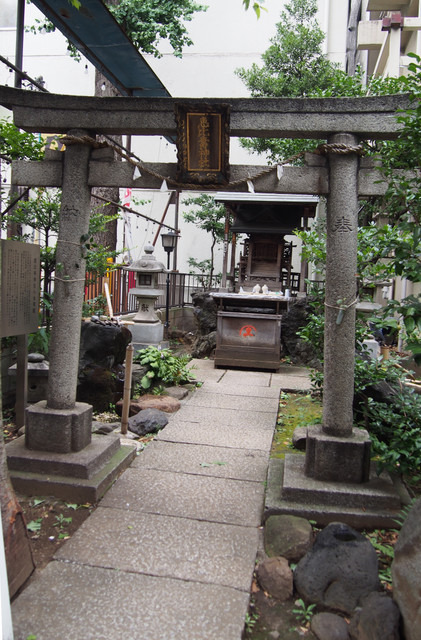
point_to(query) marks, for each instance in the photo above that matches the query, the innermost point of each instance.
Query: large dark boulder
(406, 573)
(293, 346)
(101, 357)
(204, 313)
(377, 619)
(339, 571)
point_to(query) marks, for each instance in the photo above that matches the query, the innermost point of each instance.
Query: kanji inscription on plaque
(20, 277)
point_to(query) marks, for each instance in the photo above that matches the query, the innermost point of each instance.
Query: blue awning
(96, 34)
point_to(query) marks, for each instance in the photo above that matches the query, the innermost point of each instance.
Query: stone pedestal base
(79, 477)
(372, 504)
(146, 334)
(338, 459)
(58, 430)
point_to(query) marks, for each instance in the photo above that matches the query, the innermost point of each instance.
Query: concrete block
(76, 464)
(338, 459)
(77, 490)
(58, 430)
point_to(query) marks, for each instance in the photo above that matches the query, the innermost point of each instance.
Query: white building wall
(226, 37)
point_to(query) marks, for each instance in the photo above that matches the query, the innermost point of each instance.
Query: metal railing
(120, 281)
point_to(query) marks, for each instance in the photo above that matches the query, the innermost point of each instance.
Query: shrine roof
(268, 212)
(97, 35)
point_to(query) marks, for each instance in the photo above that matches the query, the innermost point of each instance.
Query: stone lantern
(145, 326)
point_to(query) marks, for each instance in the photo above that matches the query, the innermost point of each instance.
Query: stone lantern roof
(147, 263)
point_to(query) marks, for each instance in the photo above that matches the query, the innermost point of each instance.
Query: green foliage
(35, 525)
(251, 621)
(303, 612)
(145, 22)
(163, 367)
(257, 7)
(203, 270)
(209, 216)
(15, 144)
(395, 432)
(293, 66)
(39, 342)
(95, 307)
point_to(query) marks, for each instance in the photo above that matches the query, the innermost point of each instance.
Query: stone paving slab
(248, 378)
(217, 435)
(70, 601)
(187, 496)
(233, 389)
(211, 416)
(291, 370)
(165, 546)
(221, 462)
(293, 383)
(222, 401)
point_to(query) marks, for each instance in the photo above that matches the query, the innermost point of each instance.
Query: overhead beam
(367, 118)
(311, 180)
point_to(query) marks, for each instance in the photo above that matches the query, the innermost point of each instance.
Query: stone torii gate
(337, 453)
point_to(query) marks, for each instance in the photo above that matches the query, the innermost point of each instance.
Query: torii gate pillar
(60, 425)
(338, 451)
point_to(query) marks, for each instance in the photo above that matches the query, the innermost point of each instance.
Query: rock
(329, 626)
(377, 619)
(149, 401)
(102, 354)
(147, 421)
(340, 569)
(35, 357)
(103, 428)
(103, 345)
(204, 314)
(138, 371)
(299, 438)
(406, 572)
(292, 345)
(288, 536)
(179, 393)
(275, 577)
(204, 346)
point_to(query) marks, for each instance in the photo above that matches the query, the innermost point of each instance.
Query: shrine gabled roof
(268, 212)
(96, 34)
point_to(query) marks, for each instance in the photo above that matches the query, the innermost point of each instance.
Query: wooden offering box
(249, 330)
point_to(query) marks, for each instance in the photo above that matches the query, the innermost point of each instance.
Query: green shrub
(395, 432)
(163, 367)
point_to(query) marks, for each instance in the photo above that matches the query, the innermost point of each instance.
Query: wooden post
(127, 389)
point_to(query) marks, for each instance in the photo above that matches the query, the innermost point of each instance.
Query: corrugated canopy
(96, 34)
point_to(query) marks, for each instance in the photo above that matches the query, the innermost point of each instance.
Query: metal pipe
(20, 21)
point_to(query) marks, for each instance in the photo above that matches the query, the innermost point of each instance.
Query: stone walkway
(170, 551)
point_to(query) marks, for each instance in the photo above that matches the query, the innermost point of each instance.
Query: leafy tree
(145, 23)
(16, 144)
(293, 66)
(209, 216)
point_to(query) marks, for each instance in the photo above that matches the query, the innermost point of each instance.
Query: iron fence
(120, 281)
